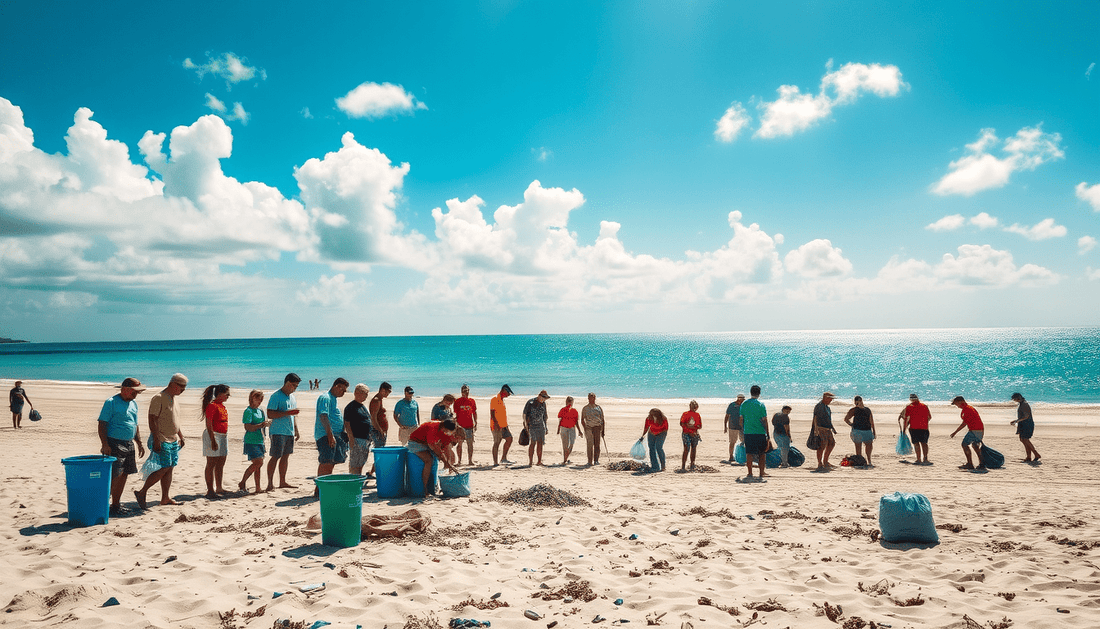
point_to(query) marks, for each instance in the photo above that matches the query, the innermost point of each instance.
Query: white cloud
(1085, 244)
(239, 114)
(947, 223)
(982, 265)
(330, 292)
(214, 104)
(984, 221)
(1092, 274)
(305, 113)
(542, 153)
(731, 123)
(817, 258)
(227, 66)
(1042, 230)
(1088, 71)
(373, 100)
(795, 111)
(980, 170)
(1090, 194)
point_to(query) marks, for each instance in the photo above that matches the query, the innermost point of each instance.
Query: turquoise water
(1048, 365)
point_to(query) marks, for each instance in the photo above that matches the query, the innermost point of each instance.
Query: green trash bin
(341, 509)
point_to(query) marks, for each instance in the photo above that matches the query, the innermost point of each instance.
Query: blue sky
(209, 170)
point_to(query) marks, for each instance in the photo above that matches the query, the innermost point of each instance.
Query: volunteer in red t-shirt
(466, 416)
(973, 438)
(915, 418)
(690, 422)
(433, 439)
(656, 426)
(567, 428)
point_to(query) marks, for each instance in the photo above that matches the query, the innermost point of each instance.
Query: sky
(249, 169)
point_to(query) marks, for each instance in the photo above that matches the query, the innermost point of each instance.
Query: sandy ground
(769, 554)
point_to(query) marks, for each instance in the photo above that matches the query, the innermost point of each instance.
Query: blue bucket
(389, 470)
(416, 475)
(88, 482)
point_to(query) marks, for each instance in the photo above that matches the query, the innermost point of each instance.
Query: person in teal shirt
(255, 425)
(754, 420)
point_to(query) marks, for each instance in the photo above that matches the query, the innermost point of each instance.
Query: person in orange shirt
(498, 424)
(690, 422)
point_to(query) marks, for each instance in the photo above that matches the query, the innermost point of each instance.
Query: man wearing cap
(1025, 427)
(732, 423)
(534, 420)
(915, 418)
(466, 418)
(823, 426)
(406, 412)
(498, 424)
(119, 436)
(165, 440)
(975, 432)
(594, 426)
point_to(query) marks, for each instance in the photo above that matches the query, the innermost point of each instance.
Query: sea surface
(1048, 365)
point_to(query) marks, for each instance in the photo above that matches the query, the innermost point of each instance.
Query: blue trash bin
(389, 471)
(88, 482)
(416, 475)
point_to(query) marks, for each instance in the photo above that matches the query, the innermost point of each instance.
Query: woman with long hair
(656, 426)
(215, 446)
(691, 423)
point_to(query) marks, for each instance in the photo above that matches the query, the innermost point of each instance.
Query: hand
(293, 411)
(105, 450)
(181, 441)
(156, 445)
(331, 441)
(141, 449)
(297, 435)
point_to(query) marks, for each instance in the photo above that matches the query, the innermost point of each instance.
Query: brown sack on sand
(411, 521)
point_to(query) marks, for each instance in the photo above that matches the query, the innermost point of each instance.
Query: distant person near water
(915, 417)
(498, 424)
(732, 424)
(823, 426)
(862, 421)
(165, 441)
(255, 425)
(465, 409)
(119, 436)
(1025, 427)
(754, 424)
(282, 410)
(690, 425)
(215, 443)
(534, 420)
(568, 418)
(433, 439)
(406, 412)
(594, 426)
(656, 427)
(974, 434)
(781, 431)
(328, 430)
(359, 428)
(16, 397)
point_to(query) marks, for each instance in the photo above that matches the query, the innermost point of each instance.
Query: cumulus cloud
(305, 113)
(374, 100)
(817, 258)
(1085, 244)
(984, 221)
(226, 66)
(731, 123)
(330, 292)
(947, 223)
(795, 111)
(982, 265)
(1042, 230)
(1089, 194)
(981, 170)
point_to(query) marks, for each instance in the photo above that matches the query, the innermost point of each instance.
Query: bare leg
(426, 457)
(284, 461)
(219, 472)
(869, 444)
(209, 475)
(165, 487)
(693, 446)
(323, 469)
(538, 450)
(118, 485)
(153, 479)
(507, 445)
(828, 450)
(684, 459)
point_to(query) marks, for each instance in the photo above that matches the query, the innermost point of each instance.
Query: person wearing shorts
(255, 425)
(974, 434)
(862, 421)
(732, 424)
(119, 437)
(534, 420)
(165, 442)
(754, 423)
(823, 427)
(1025, 427)
(282, 410)
(406, 412)
(690, 425)
(328, 430)
(498, 425)
(433, 439)
(915, 418)
(465, 409)
(359, 429)
(16, 397)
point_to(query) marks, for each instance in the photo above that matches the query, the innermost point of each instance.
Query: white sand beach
(1019, 547)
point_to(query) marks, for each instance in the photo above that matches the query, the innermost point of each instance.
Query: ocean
(1047, 365)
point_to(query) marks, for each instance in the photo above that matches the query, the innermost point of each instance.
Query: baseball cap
(507, 389)
(408, 390)
(132, 383)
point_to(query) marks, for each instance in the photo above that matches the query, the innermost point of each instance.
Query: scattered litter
(311, 587)
(633, 536)
(749, 516)
(542, 495)
(543, 586)
(490, 604)
(567, 599)
(111, 602)
(598, 618)
(552, 625)
(572, 590)
(465, 623)
(497, 595)
(675, 531)
(618, 601)
(330, 566)
(532, 614)
(170, 559)
(277, 594)
(319, 624)
(1062, 610)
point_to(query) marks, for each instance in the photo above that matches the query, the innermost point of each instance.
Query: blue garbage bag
(907, 518)
(739, 454)
(991, 458)
(795, 458)
(455, 486)
(904, 446)
(637, 451)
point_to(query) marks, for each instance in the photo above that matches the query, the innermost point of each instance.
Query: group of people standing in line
(348, 433)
